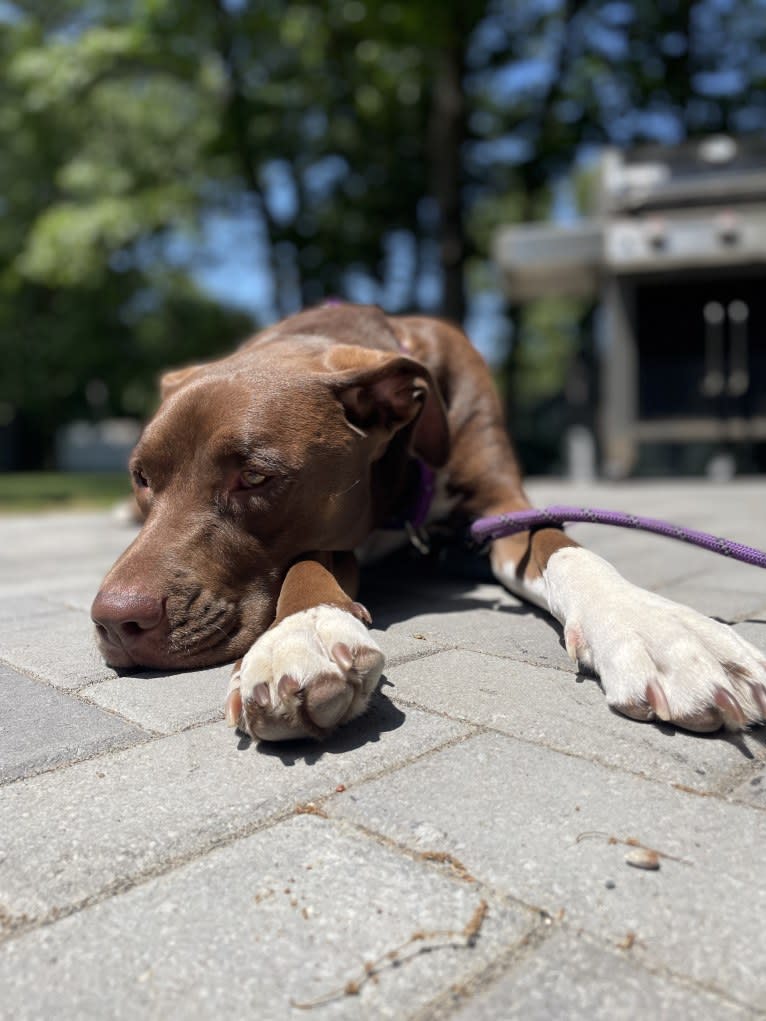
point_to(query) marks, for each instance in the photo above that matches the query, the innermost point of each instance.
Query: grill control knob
(727, 227)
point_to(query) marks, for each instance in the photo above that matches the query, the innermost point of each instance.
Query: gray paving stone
(727, 605)
(19, 611)
(486, 619)
(507, 808)
(541, 825)
(726, 508)
(654, 568)
(552, 708)
(77, 591)
(753, 629)
(68, 835)
(752, 790)
(723, 575)
(57, 647)
(44, 552)
(573, 977)
(41, 728)
(400, 647)
(54, 587)
(255, 927)
(165, 702)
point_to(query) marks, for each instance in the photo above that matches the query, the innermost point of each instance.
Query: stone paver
(154, 864)
(551, 830)
(549, 984)
(565, 711)
(56, 647)
(68, 836)
(41, 728)
(272, 921)
(164, 703)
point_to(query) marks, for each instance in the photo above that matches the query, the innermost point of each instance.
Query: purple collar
(415, 515)
(424, 496)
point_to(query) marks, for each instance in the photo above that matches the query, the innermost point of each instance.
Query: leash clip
(418, 537)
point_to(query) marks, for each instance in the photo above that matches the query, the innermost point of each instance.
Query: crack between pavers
(450, 1001)
(150, 737)
(446, 864)
(476, 649)
(738, 776)
(416, 657)
(457, 996)
(147, 737)
(96, 752)
(641, 959)
(486, 728)
(32, 676)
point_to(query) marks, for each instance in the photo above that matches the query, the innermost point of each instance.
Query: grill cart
(677, 259)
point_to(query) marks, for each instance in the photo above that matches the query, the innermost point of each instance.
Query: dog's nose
(121, 614)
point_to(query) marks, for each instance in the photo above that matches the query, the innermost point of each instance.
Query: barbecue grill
(677, 258)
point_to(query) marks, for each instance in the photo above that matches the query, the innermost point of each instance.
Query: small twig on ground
(628, 842)
(466, 937)
(445, 858)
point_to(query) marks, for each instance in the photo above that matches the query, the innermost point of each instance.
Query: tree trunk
(446, 137)
(238, 115)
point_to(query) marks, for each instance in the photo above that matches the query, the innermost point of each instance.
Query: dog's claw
(361, 613)
(730, 710)
(261, 694)
(287, 686)
(655, 696)
(342, 656)
(233, 708)
(759, 697)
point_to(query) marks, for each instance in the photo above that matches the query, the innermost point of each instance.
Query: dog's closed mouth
(170, 651)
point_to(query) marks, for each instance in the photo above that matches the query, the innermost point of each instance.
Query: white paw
(656, 659)
(310, 673)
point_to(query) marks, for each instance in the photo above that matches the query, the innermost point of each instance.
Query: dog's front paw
(315, 670)
(656, 659)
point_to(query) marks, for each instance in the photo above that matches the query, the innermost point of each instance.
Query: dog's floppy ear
(385, 390)
(175, 379)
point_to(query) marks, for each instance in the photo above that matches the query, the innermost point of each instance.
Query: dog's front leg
(656, 659)
(316, 667)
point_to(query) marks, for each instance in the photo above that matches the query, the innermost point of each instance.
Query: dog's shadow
(408, 584)
(380, 717)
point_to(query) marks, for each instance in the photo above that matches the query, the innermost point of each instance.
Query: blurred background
(581, 184)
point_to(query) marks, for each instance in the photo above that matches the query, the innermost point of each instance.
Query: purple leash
(485, 529)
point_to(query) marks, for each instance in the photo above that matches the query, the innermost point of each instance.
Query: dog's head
(289, 446)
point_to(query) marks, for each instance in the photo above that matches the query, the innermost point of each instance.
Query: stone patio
(460, 852)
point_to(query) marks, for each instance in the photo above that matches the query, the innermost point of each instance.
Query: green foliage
(551, 332)
(45, 491)
(370, 148)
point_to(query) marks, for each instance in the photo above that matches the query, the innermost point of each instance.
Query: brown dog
(262, 474)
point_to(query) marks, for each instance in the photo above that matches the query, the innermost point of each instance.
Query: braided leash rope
(485, 529)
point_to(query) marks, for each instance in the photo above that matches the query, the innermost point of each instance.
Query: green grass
(45, 491)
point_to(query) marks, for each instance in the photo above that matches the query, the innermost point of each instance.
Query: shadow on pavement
(381, 716)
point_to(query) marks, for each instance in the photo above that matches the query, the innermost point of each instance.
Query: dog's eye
(251, 479)
(140, 479)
